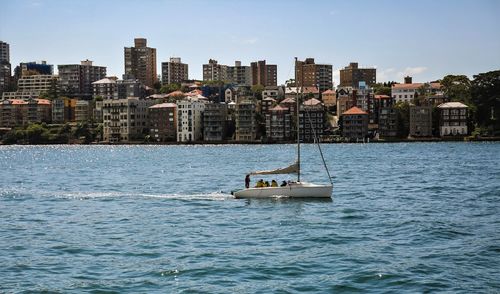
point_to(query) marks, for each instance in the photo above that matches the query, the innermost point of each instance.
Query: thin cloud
(250, 41)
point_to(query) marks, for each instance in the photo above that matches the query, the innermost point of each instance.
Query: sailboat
(298, 189)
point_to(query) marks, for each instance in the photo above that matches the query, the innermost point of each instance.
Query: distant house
(407, 92)
(453, 119)
(355, 124)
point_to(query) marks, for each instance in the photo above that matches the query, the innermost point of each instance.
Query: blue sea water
(419, 217)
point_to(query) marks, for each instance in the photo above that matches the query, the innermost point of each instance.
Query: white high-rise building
(189, 120)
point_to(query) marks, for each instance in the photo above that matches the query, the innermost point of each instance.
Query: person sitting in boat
(274, 183)
(260, 183)
(247, 181)
(266, 184)
(283, 184)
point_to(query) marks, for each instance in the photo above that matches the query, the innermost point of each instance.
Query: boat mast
(298, 123)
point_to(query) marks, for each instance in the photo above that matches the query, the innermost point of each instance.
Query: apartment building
(264, 74)
(17, 112)
(215, 121)
(140, 63)
(310, 74)
(355, 124)
(104, 88)
(75, 80)
(246, 124)
(190, 120)
(279, 124)
(174, 71)
(352, 75)
(125, 119)
(420, 121)
(163, 122)
(311, 120)
(453, 118)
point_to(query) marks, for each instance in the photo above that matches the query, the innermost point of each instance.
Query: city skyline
(426, 40)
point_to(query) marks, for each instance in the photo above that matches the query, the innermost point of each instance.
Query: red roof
(288, 100)
(175, 93)
(354, 110)
(328, 92)
(312, 102)
(382, 97)
(278, 108)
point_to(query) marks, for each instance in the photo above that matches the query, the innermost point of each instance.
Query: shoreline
(419, 140)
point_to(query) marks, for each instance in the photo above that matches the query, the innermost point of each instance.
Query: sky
(426, 39)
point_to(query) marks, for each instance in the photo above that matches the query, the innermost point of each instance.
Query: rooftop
(164, 105)
(452, 105)
(354, 110)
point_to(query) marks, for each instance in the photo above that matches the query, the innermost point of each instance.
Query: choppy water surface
(419, 217)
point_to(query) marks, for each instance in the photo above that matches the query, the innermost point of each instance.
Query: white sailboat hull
(293, 190)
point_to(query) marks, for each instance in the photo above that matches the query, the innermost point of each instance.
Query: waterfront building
(279, 124)
(5, 67)
(104, 88)
(408, 91)
(264, 74)
(351, 75)
(82, 111)
(163, 122)
(75, 80)
(453, 119)
(125, 119)
(140, 63)
(365, 100)
(190, 120)
(420, 121)
(213, 71)
(97, 111)
(329, 98)
(174, 72)
(245, 121)
(63, 110)
(355, 124)
(214, 121)
(17, 112)
(310, 74)
(386, 116)
(311, 120)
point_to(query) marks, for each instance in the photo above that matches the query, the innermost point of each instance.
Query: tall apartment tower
(76, 80)
(310, 74)
(351, 75)
(5, 68)
(174, 72)
(264, 74)
(213, 71)
(140, 62)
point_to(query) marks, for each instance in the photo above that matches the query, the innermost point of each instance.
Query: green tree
(37, 134)
(485, 95)
(166, 89)
(257, 91)
(457, 88)
(403, 120)
(382, 89)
